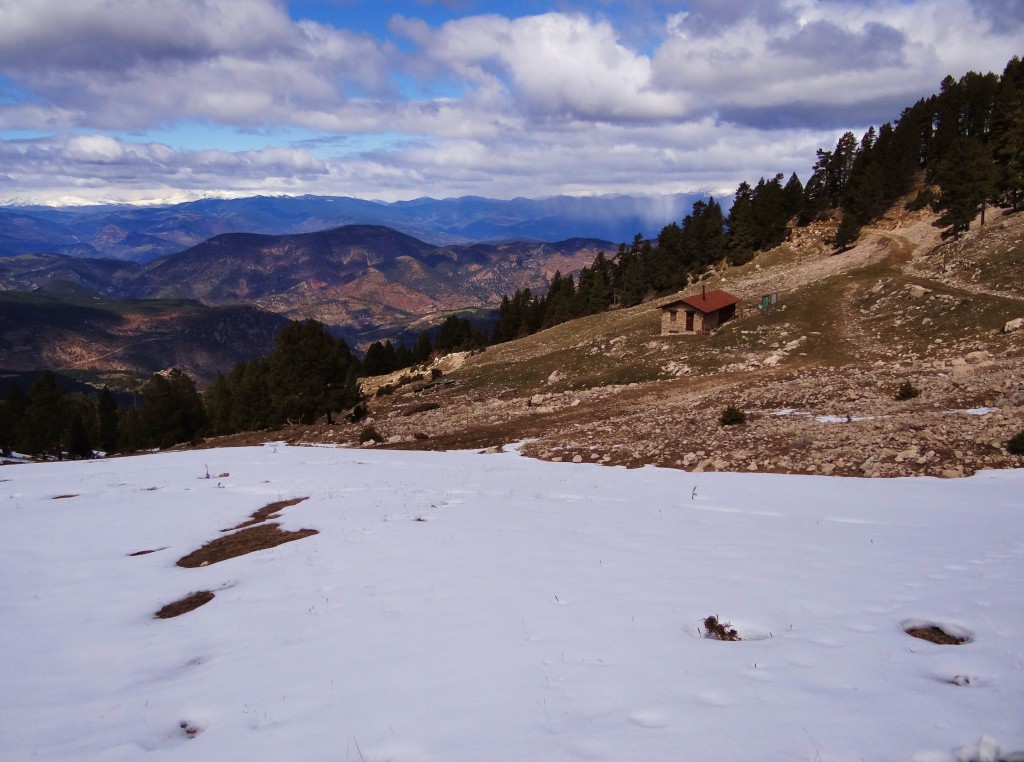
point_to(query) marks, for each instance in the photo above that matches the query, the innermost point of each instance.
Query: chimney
(703, 293)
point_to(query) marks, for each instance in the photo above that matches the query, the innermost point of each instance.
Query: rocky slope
(817, 375)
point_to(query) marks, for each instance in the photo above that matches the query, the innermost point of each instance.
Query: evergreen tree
(1008, 129)
(41, 427)
(108, 421)
(131, 434)
(172, 411)
(219, 401)
(11, 411)
(967, 177)
(77, 441)
(307, 372)
(379, 359)
(424, 348)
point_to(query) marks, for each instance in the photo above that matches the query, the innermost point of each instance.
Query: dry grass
(716, 630)
(936, 635)
(190, 602)
(241, 543)
(266, 513)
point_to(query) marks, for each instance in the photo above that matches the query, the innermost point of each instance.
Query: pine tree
(172, 411)
(967, 177)
(76, 440)
(307, 371)
(11, 411)
(219, 401)
(108, 422)
(41, 428)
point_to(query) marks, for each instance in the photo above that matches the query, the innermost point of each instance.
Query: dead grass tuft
(936, 635)
(716, 630)
(241, 543)
(190, 602)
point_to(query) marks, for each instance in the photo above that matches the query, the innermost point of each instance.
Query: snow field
(538, 611)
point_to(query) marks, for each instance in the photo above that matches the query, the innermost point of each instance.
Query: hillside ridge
(817, 375)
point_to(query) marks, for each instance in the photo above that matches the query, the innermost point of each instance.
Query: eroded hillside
(817, 375)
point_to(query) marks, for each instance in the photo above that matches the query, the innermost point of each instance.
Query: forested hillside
(960, 149)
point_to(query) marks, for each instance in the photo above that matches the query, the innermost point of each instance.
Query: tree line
(964, 146)
(307, 375)
(49, 422)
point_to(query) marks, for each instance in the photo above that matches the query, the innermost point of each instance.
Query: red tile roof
(711, 301)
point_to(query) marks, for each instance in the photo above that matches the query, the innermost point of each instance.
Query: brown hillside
(848, 331)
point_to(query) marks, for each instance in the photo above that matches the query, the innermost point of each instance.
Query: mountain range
(145, 233)
(364, 281)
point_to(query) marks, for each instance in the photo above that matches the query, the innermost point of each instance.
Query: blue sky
(149, 100)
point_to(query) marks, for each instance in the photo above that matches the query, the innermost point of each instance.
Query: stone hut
(698, 314)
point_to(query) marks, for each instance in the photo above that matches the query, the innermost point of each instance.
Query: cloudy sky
(140, 100)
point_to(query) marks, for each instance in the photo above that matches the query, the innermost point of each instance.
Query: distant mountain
(145, 233)
(357, 278)
(66, 327)
(362, 280)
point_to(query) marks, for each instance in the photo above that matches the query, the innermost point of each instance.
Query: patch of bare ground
(146, 552)
(241, 543)
(251, 535)
(189, 603)
(62, 497)
(937, 635)
(267, 512)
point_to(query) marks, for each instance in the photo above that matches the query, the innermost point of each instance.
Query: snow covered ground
(459, 606)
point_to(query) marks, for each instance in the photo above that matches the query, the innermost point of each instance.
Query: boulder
(1013, 325)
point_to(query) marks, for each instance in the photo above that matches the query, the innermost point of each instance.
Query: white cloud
(536, 105)
(94, 149)
(141, 63)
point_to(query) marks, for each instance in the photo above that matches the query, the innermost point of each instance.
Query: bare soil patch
(936, 635)
(267, 512)
(241, 543)
(190, 602)
(147, 552)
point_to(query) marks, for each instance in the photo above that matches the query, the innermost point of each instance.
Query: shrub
(731, 416)
(719, 630)
(435, 373)
(385, 390)
(359, 412)
(370, 434)
(1016, 443)
(907, 391)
